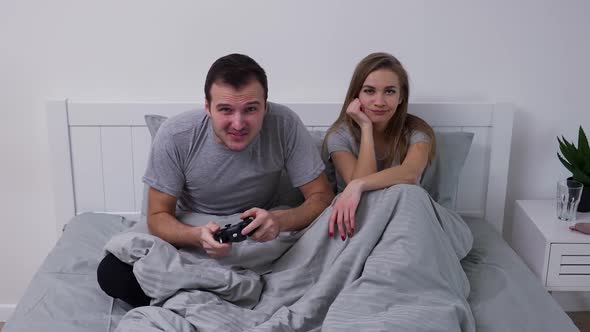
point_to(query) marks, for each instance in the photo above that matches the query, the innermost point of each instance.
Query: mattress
(64, 294)
(505, 295)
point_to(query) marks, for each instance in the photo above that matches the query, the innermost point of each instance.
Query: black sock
(116, 278)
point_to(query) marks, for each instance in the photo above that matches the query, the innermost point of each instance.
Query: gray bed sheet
(64, 294)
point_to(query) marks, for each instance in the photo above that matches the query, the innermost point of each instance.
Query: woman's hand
(344, 209)
(356, 112)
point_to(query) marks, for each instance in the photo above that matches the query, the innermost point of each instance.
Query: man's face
(236, 115)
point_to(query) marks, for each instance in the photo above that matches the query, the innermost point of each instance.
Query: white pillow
(153, 122)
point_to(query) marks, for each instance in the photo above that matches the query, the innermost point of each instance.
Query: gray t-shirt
(207, 177)
(343, 140)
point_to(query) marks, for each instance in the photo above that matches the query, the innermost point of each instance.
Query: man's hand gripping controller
(233, 233)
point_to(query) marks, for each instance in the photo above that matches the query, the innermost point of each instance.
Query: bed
(99, 151)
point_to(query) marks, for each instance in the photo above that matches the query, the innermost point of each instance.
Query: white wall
(531, 53)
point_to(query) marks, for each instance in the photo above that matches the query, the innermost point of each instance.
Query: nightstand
(558, 256)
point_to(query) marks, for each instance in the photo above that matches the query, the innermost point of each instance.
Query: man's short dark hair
(236, 70)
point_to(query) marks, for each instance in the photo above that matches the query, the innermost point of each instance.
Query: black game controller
(233, 233)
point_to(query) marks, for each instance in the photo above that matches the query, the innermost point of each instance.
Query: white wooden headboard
(100, 149)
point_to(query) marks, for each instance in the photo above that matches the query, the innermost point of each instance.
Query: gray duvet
(505, 296)
(401, 271)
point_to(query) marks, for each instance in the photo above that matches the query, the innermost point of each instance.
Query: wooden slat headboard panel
(100, 150)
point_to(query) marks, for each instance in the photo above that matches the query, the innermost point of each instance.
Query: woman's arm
(408, 172)
(366, 163)
(350, 167)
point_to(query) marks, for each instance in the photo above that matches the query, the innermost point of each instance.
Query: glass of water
(568, 198)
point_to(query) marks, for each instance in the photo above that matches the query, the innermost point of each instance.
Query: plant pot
(584, 205)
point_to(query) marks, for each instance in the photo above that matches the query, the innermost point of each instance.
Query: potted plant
(577, 161)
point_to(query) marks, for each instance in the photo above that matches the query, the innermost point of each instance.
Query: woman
(375, 143)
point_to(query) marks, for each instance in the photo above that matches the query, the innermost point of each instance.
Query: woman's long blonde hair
(401, 125)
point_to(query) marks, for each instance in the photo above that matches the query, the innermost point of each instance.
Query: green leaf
(581, 177)
(568, 152)
(561, 143)
(584, 151)
(563, 148)
(586, 168)
(583, 143)
(576, 158)
(566, 164)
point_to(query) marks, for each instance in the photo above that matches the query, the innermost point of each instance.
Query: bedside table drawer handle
(575, 259)
(574, 269)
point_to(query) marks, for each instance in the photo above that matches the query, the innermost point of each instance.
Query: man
(225, 160)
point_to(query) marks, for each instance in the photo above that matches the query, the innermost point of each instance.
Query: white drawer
(569, 266)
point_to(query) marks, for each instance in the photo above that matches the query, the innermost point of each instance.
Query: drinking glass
(568, 198)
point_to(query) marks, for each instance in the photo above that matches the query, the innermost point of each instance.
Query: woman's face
(380, 95)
